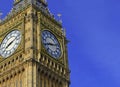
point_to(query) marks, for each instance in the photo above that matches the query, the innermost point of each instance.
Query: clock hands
(11, 42)
(50, 44)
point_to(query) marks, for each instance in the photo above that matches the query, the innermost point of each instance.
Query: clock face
(51, 44)
(10, 43)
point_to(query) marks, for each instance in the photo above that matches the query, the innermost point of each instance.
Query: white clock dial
(51, 44)
(10, 43)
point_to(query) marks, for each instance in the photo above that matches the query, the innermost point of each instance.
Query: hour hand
(50, 44)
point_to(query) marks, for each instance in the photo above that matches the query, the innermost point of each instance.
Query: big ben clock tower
(33, 47)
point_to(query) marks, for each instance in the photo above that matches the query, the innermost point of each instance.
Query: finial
(1, 16)
(64, 31)
(59, 17)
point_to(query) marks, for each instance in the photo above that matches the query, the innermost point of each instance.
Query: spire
(44, 2)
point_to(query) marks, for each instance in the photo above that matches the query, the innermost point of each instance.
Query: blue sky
(93, 28)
